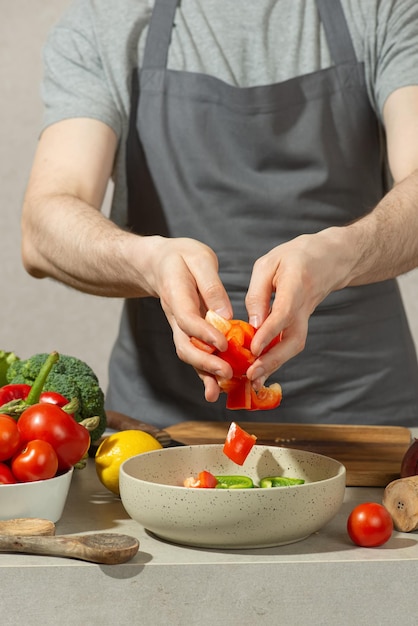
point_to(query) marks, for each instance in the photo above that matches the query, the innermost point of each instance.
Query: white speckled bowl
(151, 492)
(42, 498)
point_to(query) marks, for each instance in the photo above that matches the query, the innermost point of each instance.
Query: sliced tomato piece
(266, 398)
(238, 444)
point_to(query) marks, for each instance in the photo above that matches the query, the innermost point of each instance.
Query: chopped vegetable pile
(206, 480)
(39, 435)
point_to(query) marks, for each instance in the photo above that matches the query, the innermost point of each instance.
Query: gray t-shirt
(91, 53)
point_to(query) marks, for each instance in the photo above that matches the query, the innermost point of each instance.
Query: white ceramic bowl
(42, 498)
(151, 492)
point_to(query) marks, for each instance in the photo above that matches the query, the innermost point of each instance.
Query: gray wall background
(41, 316)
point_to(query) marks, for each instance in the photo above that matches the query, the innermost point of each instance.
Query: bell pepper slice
(202, 345)
(266, 398)
(218, 322)
(242, 331)
(238, 357)
(238, 444)
(279, 481)
(239, 395)
(205, 480)
(234, 482)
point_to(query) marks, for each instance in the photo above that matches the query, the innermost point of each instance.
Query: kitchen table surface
(323, 579)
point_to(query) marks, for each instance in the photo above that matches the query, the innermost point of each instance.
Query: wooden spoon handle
(105, 548)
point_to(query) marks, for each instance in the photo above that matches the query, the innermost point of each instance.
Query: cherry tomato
(238, 444)
(37, 461)
(9, 437)
(50, 423)
(6, 475)
(369, 525)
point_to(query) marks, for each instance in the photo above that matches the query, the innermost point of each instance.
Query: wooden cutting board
(372, 455)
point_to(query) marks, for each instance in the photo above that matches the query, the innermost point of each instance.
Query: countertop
(323, 579)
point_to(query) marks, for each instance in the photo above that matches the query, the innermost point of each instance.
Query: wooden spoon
(105, 548)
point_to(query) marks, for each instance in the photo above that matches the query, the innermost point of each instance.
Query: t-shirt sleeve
(74, 82)
(395, 47)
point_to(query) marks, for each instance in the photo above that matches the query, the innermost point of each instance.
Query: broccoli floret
(70, 377)
(6, 359)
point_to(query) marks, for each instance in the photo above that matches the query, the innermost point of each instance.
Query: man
(248, 143)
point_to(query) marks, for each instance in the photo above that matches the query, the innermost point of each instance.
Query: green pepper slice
(234, 482)
(279, 481)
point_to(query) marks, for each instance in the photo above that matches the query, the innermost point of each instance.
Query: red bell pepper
(205, 480)
(20, 391)
(266, 398)
(238, 444)
(14, 399)
(238, 354)
(238, 393)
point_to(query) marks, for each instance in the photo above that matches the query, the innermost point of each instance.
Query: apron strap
(159, 34)
(162, 18)
(336, 31)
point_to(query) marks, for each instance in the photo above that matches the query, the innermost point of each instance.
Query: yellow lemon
(118, 447)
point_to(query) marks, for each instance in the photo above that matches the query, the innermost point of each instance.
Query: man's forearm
(65, 239)
(384, 243)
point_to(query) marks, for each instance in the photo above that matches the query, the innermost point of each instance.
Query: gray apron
(243, 170)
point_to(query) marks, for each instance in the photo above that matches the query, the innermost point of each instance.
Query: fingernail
(259, 383)
(223, 312)
(254, 321)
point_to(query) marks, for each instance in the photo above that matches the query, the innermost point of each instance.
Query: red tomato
(37, 461)
(238, 444)
(9, 437)
(369, 525)
(6, 475)
(50, 423)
